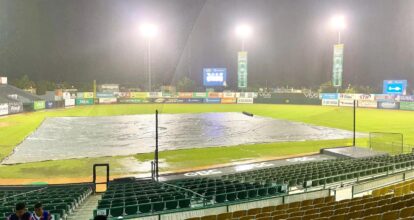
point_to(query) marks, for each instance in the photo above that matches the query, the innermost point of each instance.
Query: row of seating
(59, 200)
(382, 208)
(399, 189)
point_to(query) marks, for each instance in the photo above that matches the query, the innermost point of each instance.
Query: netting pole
(354, 131)
(156, 144)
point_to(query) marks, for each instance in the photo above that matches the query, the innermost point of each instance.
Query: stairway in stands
(85, 211)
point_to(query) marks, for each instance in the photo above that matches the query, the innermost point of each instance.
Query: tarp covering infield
(79, 137)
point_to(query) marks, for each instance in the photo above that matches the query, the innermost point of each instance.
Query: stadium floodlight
(338, 24)
(243, 31)
(149, 31)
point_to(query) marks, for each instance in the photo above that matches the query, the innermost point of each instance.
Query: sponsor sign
(123, 95)
(212, 100)
(200, 95)
(38, 105)
(69, 102)
(229, 95)
(367, 104)
(50, 104)
(133, 101)
(347, 96)
(193, 100)
(242, 69)
(215, 95)
(15, 107)
(185, 95)
(330, 102)
(104, 95)
(4, 109)
(139, 95)
(214, 77)
(89, 101)
(107, 100)
(266, 95)
(167, 94)
(346, 103)
(337, 67)
(245, 100)
(88, 95)
(3, 80)
(398, 87)
(246, 95)
(407, 106)
(388, 105)
(385, 97)
(79, 95)
(405, 98)
(155, 95)
(365, 97)
(328, 96)
(228, 100)
(66, 95)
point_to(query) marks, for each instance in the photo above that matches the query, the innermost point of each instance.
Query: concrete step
(85, 211)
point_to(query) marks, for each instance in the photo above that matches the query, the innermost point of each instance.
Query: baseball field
(15, 128)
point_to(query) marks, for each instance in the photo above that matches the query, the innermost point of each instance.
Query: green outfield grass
(13, 130)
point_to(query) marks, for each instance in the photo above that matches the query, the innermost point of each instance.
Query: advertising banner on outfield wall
(246, 95)
(405, 98)
(365, 97)
(69, 102)
(228, 100)
(89, 101)
(50, 104)
(123, 94)
(105, 95)
(132, 101)
(367, 104)
(15, 107)
(385, 97)
(407, 106)
(193, 100)
(200, 95)
(229, 95)
(215, 95)
(167, 94)
(155, 94)
(4, 109)
(107, 100)
(346, 103)
(347, 96)
(88, 95)
(38, 105)
(212, 100)
(330, 102)
(328, 96)
(139, 95)
(388, 105)
(245, 100)
(185, 95)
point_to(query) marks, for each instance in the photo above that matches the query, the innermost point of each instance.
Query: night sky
(82, 40)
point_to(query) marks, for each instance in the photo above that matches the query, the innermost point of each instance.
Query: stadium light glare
(243, 31)
(148, 30)
(338, 22)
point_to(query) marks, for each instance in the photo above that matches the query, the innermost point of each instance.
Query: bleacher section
(9, 91)
(372, 208)
(148, 196)
(59, 200)
(139, 198)
(325, 172)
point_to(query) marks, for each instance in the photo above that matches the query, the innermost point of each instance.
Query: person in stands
(21, 213)
(40, 214)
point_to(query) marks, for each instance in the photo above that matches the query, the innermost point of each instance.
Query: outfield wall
(378, 101)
